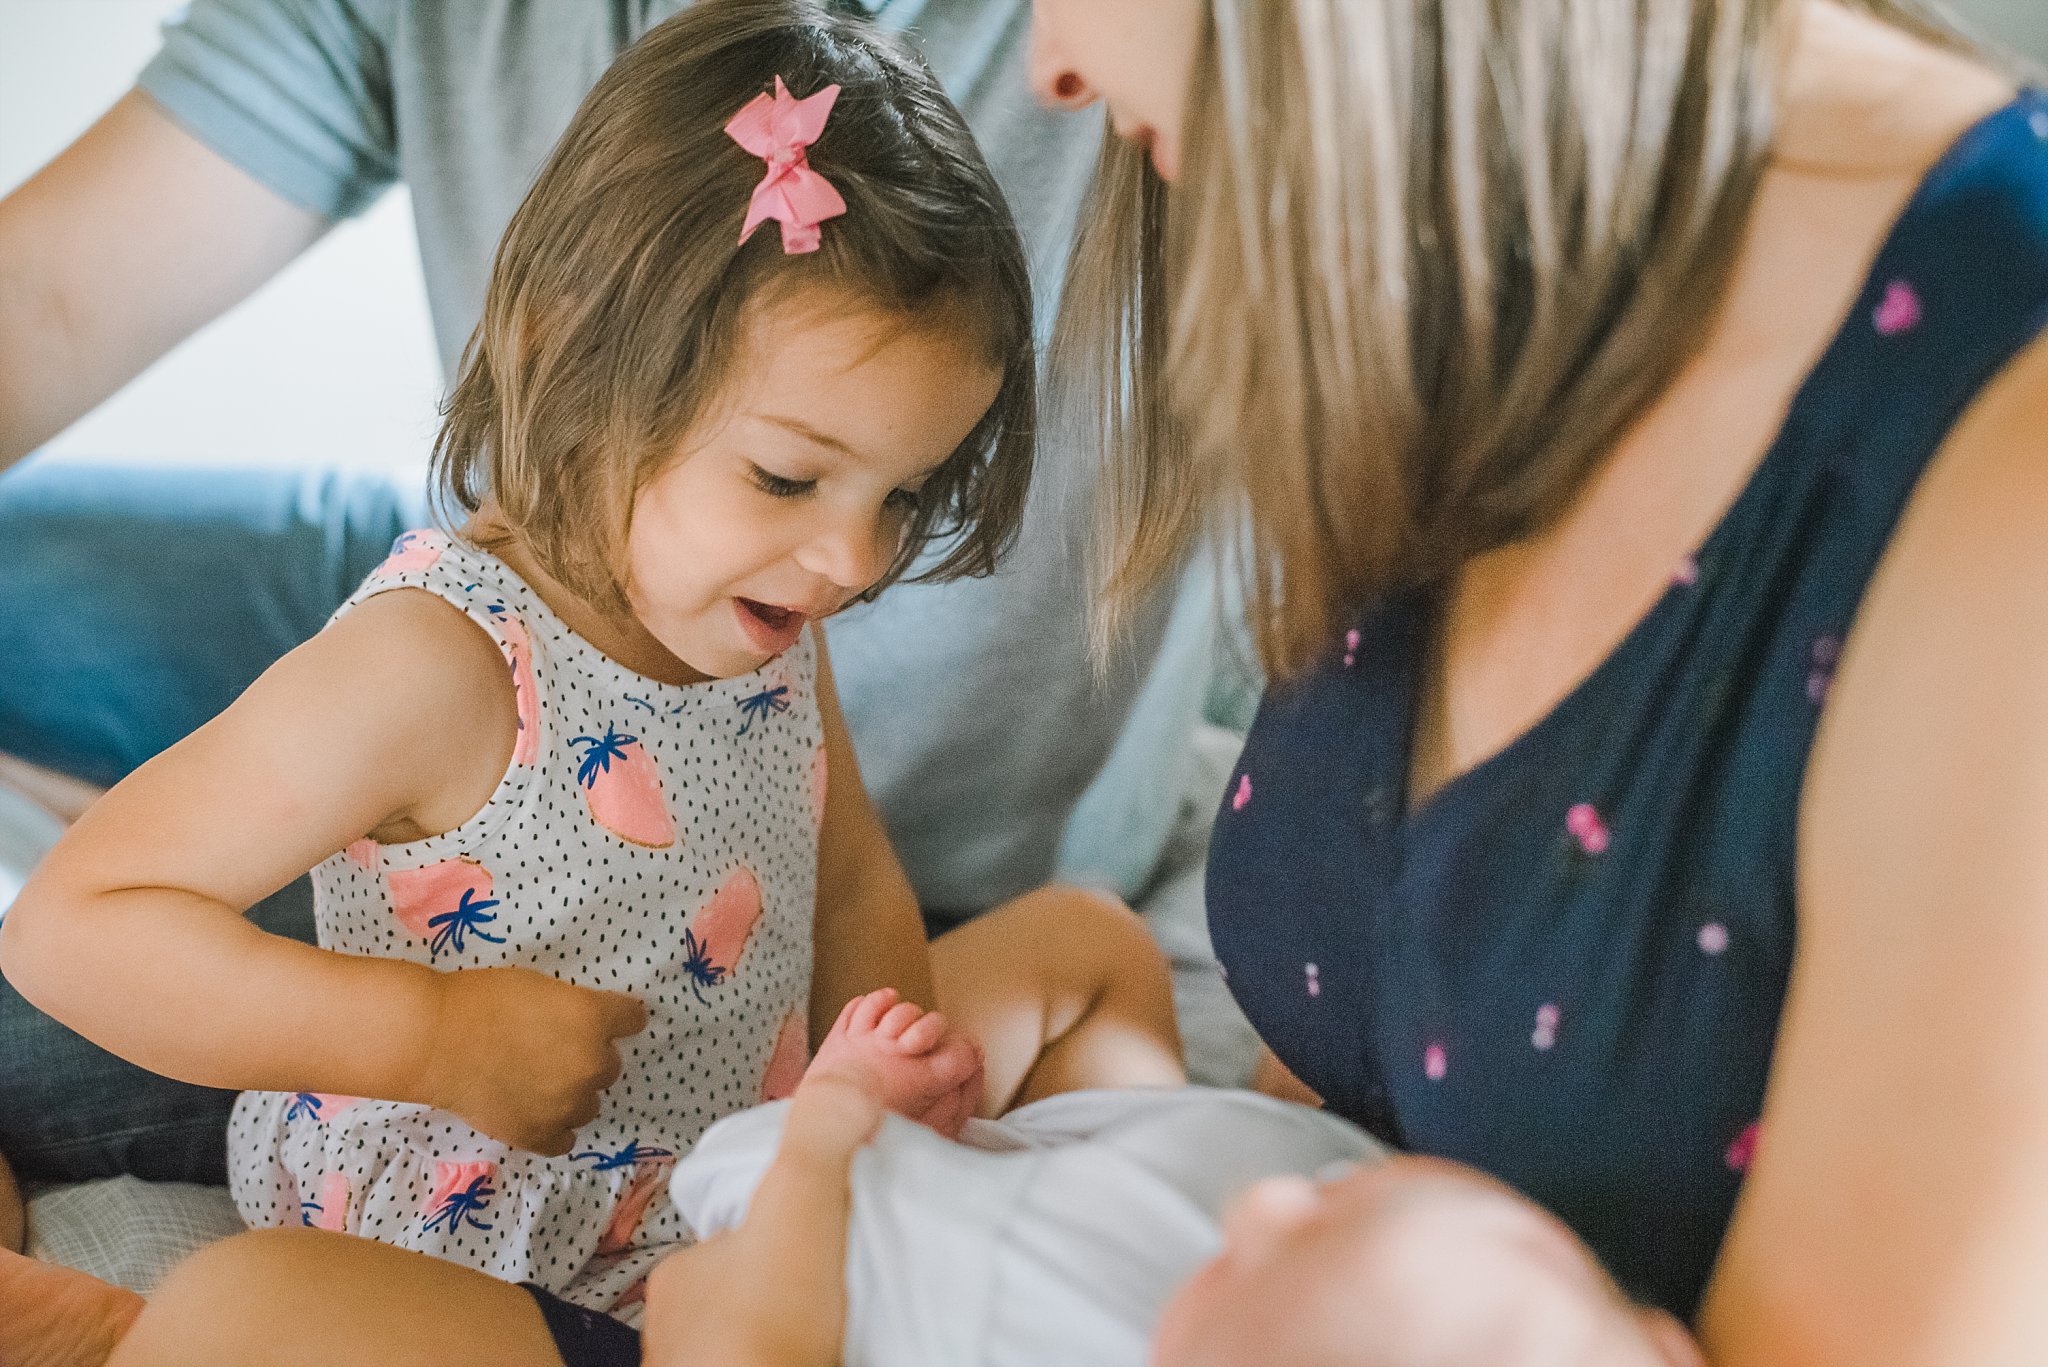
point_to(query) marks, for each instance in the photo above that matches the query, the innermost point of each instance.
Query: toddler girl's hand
(524, 1057)
(912, 1060)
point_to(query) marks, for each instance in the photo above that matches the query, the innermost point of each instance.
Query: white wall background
(333, 363)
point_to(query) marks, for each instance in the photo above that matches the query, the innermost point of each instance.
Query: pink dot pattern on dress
(1687, 573)
(1900, 310)
(1351, 639)
(1314, 979)
(1544, 1036)
(1243, 795)
(1820, 676)
(1713, 938)
(1436, 1061)
(1586, 827)
(1742, 1149)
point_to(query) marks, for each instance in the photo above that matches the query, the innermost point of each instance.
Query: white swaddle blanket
(1055, 1235)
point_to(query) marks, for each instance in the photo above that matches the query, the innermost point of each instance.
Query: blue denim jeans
(134, 605)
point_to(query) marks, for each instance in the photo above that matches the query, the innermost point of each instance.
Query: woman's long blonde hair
(1427, 261)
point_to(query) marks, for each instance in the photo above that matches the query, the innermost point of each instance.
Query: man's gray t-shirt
(972, 705)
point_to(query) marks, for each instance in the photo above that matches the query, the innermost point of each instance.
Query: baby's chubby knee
(1085, 923)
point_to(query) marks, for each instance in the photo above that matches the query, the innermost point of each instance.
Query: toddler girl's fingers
(924, 1034)
(621, 1015)
(867, 1012)
(897, 1019)
(554, 1144)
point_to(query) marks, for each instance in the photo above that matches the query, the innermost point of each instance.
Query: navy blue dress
(1567, 967)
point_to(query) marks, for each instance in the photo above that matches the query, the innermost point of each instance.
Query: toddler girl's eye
(779, 487)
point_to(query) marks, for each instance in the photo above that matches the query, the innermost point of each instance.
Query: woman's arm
(1897, 1209)
(397, 720)
(869, 932)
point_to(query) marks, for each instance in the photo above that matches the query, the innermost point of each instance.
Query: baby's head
(714, 442)
(1412, 1261)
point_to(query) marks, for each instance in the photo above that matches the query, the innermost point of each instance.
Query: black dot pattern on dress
(543, 878)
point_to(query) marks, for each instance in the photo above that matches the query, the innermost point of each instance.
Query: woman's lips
(770, 628)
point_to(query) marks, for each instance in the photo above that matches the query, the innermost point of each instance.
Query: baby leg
(1066, 990)
(303, 1295)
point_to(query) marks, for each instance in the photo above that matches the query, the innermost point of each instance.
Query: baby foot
(910, 1060)
(51, 1316)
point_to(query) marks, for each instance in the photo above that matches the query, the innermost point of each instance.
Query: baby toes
(898, 1019)
(868, 1011)
(924, 1034)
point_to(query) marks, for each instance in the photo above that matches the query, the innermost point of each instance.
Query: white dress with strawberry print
(646, 838)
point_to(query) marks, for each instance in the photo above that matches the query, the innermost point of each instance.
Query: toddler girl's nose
(852, 554)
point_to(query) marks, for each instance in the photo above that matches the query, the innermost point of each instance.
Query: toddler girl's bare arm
(397, 720)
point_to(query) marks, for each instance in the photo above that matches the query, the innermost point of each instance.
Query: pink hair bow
(777, 129)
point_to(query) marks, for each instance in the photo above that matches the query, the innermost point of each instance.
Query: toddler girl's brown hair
(621, 289)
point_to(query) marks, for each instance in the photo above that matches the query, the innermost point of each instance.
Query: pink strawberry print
(1900, 311)
(821, 780)
(415, 550)
(445, 903)
(329, 1207)
(648, 1179)
(1240, 799)
(717, 934)
(363, 852)
(518, 648)
(622, 788)
(1586, 827)
(786, 1065)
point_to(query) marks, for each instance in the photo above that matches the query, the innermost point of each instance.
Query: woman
(1595, 391)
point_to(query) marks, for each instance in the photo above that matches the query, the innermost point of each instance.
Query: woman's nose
(1053, 78)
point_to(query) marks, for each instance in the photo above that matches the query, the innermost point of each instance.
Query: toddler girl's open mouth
(771, 628)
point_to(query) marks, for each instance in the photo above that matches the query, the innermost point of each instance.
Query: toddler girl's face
(793, 494)
(1408, 1261)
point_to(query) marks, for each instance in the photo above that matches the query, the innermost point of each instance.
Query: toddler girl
(592, 860)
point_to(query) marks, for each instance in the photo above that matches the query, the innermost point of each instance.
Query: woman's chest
(1566, 968)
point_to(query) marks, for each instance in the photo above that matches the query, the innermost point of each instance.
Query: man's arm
(133, 238)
